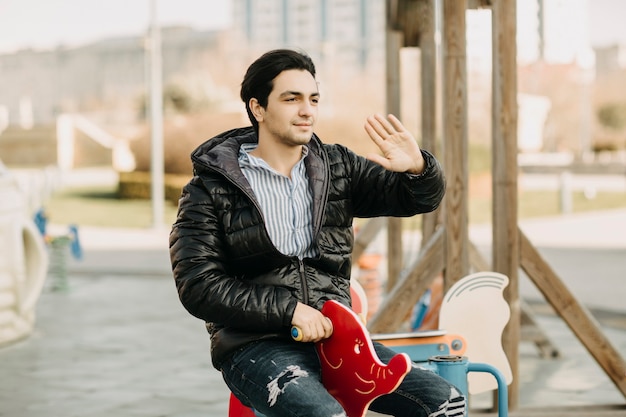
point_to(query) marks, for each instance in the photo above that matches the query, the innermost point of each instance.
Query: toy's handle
(296, 333)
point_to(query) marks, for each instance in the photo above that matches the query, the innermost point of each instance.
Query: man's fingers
(380, 128)
(373, 134)
(381, 125)
(390, 129)
(314, 333)
(375, 131)
(309, 325)
(328, 328)
(397, 124)
(322, 329)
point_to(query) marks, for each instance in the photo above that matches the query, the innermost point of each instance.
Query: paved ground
(118, 342)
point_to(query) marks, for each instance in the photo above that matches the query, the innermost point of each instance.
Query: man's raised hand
(400, 151)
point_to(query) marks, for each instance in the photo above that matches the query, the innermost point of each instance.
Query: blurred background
(85, 139)
(75, 85)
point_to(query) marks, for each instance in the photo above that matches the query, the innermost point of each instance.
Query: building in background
(37, 86)
(345, 37)
(348, 33)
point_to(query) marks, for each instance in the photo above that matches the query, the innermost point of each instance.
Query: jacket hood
(222, 148)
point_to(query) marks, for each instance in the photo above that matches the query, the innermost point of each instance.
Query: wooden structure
(446, 245)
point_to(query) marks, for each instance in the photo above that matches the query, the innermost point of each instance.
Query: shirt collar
(246, 148)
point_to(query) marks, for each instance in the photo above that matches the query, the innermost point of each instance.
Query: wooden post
(428, 82)
(448, 247)
(505, 243)
(455, 142)
(394, 39)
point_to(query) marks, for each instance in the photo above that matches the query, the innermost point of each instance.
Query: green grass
(547, 203)
(99, 206)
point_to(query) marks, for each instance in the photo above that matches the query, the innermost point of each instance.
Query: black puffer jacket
(228, 272)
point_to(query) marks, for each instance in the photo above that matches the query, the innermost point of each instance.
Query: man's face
(291, 109)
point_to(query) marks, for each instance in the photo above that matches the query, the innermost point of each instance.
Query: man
(264, 237)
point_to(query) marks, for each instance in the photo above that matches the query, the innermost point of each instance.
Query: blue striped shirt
(286, 203)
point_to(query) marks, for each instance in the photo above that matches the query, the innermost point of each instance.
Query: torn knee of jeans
(277, 385)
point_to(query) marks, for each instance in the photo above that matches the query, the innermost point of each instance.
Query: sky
(45, 24)
(606, 22)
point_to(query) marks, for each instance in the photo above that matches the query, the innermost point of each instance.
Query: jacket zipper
(305, 287)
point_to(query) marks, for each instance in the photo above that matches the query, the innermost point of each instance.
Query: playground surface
(118, 342)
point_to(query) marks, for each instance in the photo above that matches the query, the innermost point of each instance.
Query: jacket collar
(222, 151)
(221, 154)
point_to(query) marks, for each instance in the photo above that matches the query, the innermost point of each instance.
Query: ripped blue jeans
(279, 378)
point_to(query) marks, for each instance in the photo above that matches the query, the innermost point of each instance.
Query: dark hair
(259, 79)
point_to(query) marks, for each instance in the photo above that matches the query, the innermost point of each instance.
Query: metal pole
(156, 120)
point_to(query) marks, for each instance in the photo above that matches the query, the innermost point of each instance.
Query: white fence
(23, 261)
(67, 124)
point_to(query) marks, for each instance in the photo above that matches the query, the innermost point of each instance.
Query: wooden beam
(577, 317)
(505, 247)
(479, 4)
(406, 16)
(531, 331)
(410, 287)
(395, 251)
(366, 235)
(428, 89)
(394, 40)
(455, 141)
(477, 260)
(393, 43)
